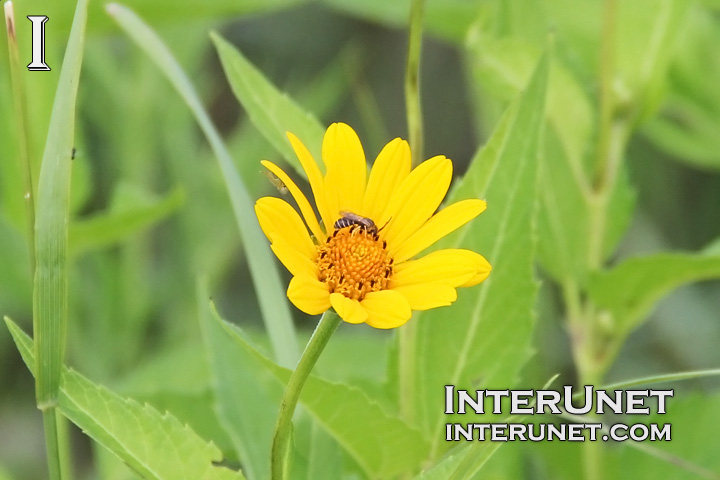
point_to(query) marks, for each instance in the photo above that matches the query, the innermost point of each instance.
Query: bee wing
(351, 216)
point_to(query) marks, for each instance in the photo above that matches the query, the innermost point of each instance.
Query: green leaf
(272, 112)
(646, 34)
(382, 444)
(155, 445)
(129, 213)
(50, 287)
(462, 461)
(564, 221)
(246, 394)
(263, 269)
(484, 338)
(630, 290)
(689, 455)
(501, 66)
(688, 124)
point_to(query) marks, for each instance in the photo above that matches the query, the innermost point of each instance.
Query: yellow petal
(348, 309)
(280, 221)
(386, 309)
(389, 170)
(480, 276)
(346, 170)
(314, 177)
(302, 202)
(417, 199)
(439, 225)
(293, 259)
(425, 296)
(454, 267)
(309, 294)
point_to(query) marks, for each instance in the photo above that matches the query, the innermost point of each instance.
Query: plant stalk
(283, 429)
(413, 105)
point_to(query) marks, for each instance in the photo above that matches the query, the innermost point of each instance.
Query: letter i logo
(38, 43)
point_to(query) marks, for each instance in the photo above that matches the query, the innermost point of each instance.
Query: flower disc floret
(354, 262)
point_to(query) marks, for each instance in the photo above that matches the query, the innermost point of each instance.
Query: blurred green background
(150, 211)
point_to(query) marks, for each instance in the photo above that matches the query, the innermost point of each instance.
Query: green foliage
(272, 112)
(464, 346)
(632, 288)
(129, 212)
(349, 415)
(51, 223)
(275, 312)
(155, 445)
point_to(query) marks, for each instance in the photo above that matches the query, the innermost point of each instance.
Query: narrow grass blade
(50, 285)
(265, 276)
(21, 121)
(51, 224)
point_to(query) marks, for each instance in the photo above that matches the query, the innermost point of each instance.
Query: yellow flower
(358, 260)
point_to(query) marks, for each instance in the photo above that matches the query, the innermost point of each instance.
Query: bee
(350, 218)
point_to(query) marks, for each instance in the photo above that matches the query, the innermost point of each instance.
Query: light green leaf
(155, 445)
(689, 455)
(462, 461)
(644, 45)
(129, 213)
(564, 220)
(483, 340)
(263, 268)
(50, 286)
(502, 66)
(272, 112)
(247, 396)
(688, 124)
(630, 290)
(381, 443)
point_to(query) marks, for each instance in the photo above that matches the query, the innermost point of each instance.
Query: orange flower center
(354, 262)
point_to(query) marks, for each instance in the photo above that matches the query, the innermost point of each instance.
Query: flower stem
(52, 442)
(588, 351)
(283, 429)
(412, 81)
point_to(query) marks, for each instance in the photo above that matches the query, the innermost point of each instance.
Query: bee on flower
(359, 259)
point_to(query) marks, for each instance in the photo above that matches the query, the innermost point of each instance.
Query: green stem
(51, 442)
(21, 121)
(412, 81)
(283, 429)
